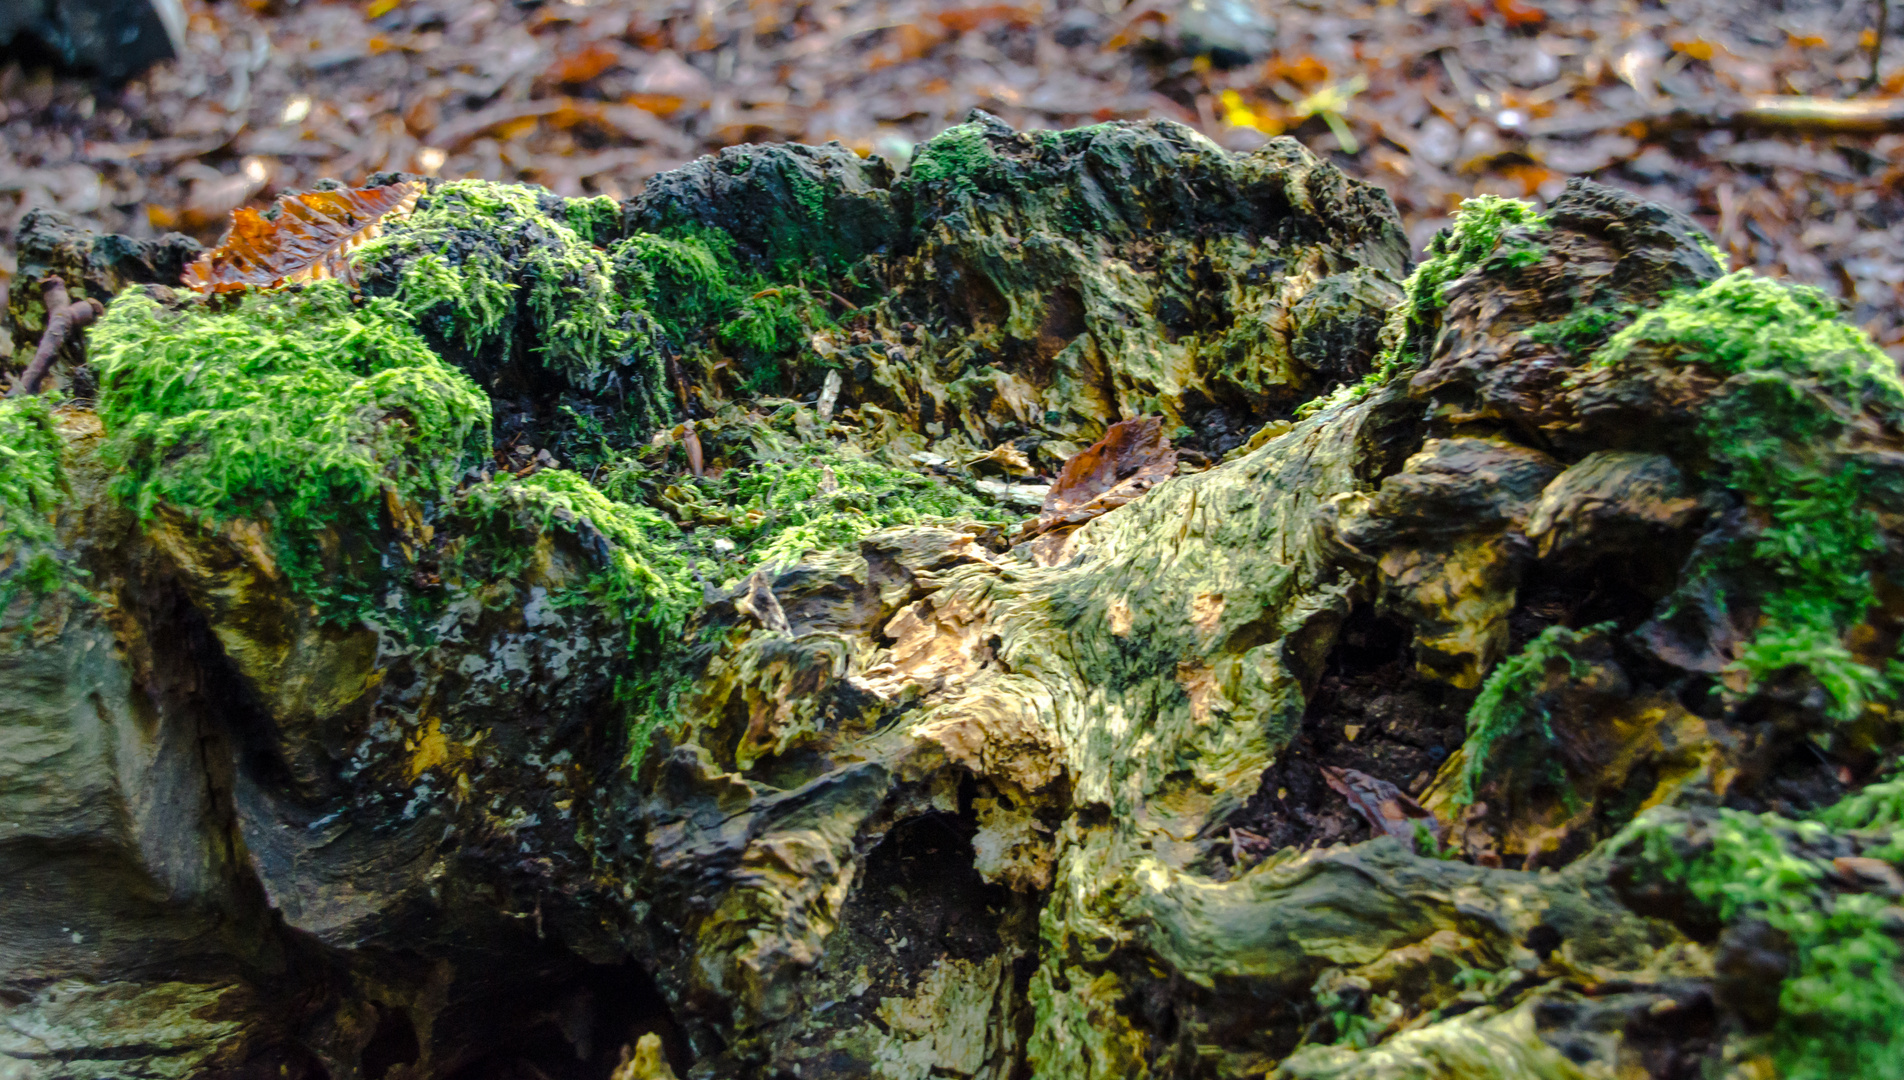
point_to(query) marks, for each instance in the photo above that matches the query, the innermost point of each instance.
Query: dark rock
(115, 39)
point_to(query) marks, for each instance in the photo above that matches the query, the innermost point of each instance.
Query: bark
(932, 803)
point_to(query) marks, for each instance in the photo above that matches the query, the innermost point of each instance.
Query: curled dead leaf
(1003, 460)
(1388, 809)
(310, 239)
(1129, 460)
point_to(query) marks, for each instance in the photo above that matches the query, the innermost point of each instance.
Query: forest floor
(1435, 101)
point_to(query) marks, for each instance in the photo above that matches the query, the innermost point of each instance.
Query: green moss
(1712, 249)
(700, 294)
(1471, 242)
(300, 408)
(32, 487)
(1792, 369)
(788, 501)
(1584, 329)
(956, 156)
(596, 220)
(1841, 1011)
(1509, 705)
(476, 296)
(1480, 236)
(645, 583)
(811, 197)
(505, 266)
(686, 281)
(771, 327)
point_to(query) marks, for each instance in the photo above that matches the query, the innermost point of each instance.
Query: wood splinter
(64, 319)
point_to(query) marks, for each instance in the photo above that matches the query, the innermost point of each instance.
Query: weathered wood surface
(925, 801)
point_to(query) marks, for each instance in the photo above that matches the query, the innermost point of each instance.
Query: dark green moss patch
(955, 156)
(1509, 709)
(1585, 329)
(32, 486)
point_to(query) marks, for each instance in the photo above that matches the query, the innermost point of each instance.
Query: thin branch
(1877, 44)
(64, 320)
(1776, 112)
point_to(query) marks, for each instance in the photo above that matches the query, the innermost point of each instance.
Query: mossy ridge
(1769, 429)
(1487, 231)
(959, 155)
(1841, 1010)
(705, 299)
(796, 214)
(300, 408)
(32, 487)
(496, 267)
(775, 494)
(1508, 704)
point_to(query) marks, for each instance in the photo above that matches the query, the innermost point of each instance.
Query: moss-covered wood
(617, 621)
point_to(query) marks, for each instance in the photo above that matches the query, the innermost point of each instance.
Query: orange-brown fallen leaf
(960, 20)
(310, 239)
(1132, 455)
(1129, 460)
(1520, 14)
(1388, 809)
(584, 64)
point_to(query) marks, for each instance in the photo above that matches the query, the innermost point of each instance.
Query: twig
(693, 444)
(64, 318)
(1775, 112)
(1877, 44)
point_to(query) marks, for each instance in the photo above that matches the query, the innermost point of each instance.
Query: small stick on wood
(693, 443)
(1774, 112)
(64, 318)
(674, 379)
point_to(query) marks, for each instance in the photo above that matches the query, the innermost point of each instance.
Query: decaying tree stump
(670, 635)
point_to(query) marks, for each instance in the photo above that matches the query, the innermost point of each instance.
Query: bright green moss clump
(1472, 241)
(1841, 1010)
(685, 281)
(1793, 369)
(299, 408)
(698, 291)
(512, 273)
(955, 155)
(32, 486)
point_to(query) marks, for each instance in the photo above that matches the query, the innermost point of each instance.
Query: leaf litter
(1733, 111)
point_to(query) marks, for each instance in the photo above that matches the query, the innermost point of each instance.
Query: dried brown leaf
(584, 64)
(311, 239)
(1131, 457)
(1388, 809)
